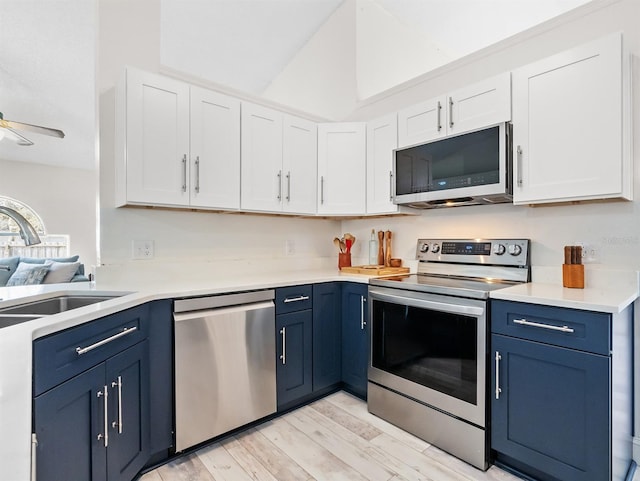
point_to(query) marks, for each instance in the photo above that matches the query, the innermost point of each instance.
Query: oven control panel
(507, 252)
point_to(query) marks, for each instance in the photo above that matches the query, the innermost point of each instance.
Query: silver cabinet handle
(118, 423)
(439, 123)
(519, 162)
(283, 356)
(296, 299)
(184, 173)
(524, 322)
(34, 455)
(391, 185)
(124, 332)
(279, 185)
(197, 187)
(362, 321)
(322, 189)
(105, 399)
(498, 390)
(450, 112)
(288, 186)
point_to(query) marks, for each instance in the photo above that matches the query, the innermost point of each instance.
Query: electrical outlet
(142, 249)
(289, 247)
(590, 253)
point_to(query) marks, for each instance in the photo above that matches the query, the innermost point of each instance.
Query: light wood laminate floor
(334, 438)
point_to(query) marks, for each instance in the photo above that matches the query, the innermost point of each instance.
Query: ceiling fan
(8, 129)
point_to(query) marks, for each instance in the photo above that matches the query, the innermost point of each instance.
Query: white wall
(63, 197)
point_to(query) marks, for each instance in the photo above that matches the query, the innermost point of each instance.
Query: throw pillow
(12, 264)
(60, 272)
(28, 274)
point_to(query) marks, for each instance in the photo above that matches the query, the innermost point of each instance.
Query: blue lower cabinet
(95, 426)
(293, 357)
(355, 338)
(327, 335)
(551, 410)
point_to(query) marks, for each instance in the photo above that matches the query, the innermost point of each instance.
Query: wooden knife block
(573, 275)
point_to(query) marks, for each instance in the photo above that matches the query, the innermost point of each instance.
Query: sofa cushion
(60, 272)
(28, 274)
(41, 260)
(12, 264)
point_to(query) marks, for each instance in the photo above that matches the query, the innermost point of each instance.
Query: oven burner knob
(499, 249)
(515, 249)
(435, 248)
(424, 247)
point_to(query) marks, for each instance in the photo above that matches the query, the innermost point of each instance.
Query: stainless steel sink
(7, 320)
(55, 305)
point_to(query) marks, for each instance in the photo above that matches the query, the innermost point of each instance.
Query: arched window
(11, 244)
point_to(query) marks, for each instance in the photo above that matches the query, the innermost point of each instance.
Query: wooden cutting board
(375, 270)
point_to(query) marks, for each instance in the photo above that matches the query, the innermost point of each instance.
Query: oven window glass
(432, 348)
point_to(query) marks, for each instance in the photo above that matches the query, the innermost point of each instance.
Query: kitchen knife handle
(497, 359)
(567, 255)
(438, 121)
(279, 185)
(283, 356)
(450, 112)
(519, 165)
(184, 173)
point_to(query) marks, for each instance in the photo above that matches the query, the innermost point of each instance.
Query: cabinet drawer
(61, 356)
(584, 330)
(295, 298)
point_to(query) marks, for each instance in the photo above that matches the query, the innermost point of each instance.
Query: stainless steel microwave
(466, 169)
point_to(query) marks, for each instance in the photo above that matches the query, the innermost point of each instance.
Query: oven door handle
(427, 304)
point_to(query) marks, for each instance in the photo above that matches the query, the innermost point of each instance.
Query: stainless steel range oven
(429, 335)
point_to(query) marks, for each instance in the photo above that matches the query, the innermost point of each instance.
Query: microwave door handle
(426, 304)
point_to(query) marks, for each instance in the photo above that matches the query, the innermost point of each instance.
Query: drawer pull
(124, 332)
(296, 299)
(524, 322)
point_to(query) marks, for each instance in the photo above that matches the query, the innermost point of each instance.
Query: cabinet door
(299, 165)
(157, 139)
(261, 164)
(382, 139)
(342, 168)
(67, 421)
(553, 413)
(479, 105)
(422, 122)
(294, 356)
(215, 150)
(127, 378)
(355, 338)
(567, 126)
(327, 358)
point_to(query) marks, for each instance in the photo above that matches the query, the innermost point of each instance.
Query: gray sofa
(35, 270)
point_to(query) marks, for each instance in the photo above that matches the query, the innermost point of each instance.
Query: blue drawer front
(55, 358)
(591, 331)
(295, 298)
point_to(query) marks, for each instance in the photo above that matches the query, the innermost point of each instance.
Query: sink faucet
(27, 231)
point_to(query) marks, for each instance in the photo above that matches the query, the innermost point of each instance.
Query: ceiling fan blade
(15, 136)
(10, 124)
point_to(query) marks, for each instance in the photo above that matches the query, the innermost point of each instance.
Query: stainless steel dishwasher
(224, 364)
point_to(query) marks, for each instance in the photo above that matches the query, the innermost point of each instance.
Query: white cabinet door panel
(261, 166)
(567, 116)
(382, 139)
(299, 165)
(215, 150)
(422, 122)
(157, 139)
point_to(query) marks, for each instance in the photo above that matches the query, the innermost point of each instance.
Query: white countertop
(16, 341)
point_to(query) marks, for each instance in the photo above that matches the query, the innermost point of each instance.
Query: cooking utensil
(336, 242)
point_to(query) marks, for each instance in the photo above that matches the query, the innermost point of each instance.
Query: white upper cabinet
(342, 168)
(177, 145)
(382, 139)
(568, 126)
(154, 159)
(299, 165)
(279, 165)
(215, 150)
(261, 158)
(479, 105)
